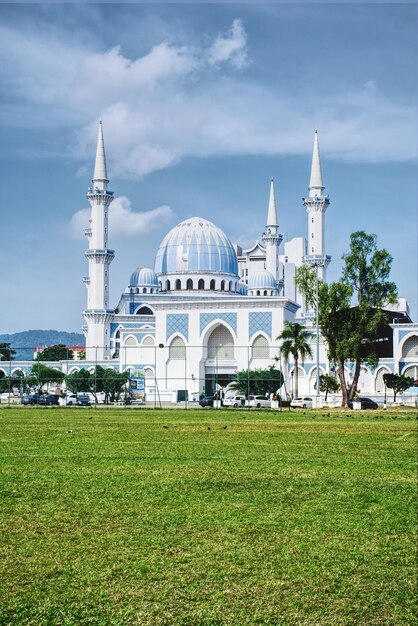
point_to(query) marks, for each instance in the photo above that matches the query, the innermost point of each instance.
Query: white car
(301, 403)
(258, 401)
(234, 401)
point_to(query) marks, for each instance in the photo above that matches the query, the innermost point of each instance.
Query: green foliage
(6, 352)
(41, 374)
(328, 384)
(7, 383)
(280, 519)
(101, 380)
(258, 382)
(295, 342)
(350, 310)
(398, 383)
(59, 352)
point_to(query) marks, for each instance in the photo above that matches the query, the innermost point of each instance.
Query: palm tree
(294, 339)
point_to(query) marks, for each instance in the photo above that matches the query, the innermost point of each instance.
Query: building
(209, 308)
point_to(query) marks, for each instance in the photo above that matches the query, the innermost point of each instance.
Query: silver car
(302, 403)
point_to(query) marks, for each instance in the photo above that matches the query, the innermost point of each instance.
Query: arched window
(130, 342)
(222, 285)
(167, 285)
(201, 284)
(148, 341)
(410, 347)
(144, 290)
(260, 348)
(230, 285)
(411, 371)
(189, 284)
(258, 293)
(379, 383)
(212, 284)
(178, 284)
(177, 349)
(221, 344)
(144, 310)
(265, 292)
(149, 374)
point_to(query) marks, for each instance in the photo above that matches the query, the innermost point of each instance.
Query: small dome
(262, 280)
(195, 246)
(143, 277)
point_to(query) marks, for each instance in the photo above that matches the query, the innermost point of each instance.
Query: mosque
(209, 308)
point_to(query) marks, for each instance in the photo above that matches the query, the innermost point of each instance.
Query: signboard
(137, 388)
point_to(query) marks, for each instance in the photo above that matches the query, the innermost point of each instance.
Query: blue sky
(201, 105)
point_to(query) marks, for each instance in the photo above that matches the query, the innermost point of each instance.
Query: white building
(208, 308)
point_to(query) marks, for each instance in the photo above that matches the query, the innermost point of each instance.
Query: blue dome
(143, 277)
(194, 246)
(262, 280)
(243, 289)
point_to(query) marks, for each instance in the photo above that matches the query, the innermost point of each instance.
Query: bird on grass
(165, 426)
(208, 427)
(174, 425)
(224, 427)
(91, 417)
(69, 432)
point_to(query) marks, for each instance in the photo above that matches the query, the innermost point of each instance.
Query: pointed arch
(144, 310)
(178, 284)
(260, 348)
(379, 383)
(177, 349)
(189, 284)
(212, 284)
(130, 341)
(167, 285)
(201, 284)
(221, 343)
(410, 347)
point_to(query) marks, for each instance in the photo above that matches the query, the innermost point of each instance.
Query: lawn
(118, 517)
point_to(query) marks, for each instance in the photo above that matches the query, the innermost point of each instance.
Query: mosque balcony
(99, 254)
(99, 192)
(317, 260)
(88, 232)
(86, 280)
(316, 200)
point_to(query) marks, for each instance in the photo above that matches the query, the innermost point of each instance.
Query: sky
(201, 105)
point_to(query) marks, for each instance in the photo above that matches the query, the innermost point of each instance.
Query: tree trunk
(343, 385)
(356, 376)
(394, 394)
(296, 377)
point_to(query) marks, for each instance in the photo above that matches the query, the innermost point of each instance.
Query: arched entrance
(220, 365)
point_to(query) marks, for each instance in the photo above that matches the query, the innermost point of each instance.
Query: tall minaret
(99, 257)
(316, 204)
(271, 237)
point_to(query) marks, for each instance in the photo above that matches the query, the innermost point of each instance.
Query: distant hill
(25, 342)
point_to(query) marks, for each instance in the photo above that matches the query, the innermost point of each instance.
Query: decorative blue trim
(229, 318)
(259, 321)
(177, 323)
(403, 333)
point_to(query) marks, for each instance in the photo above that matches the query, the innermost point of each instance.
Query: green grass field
(291, 518)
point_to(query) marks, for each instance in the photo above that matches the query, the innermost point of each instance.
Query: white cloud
(123, 221)
(169, 104)
(232, 48)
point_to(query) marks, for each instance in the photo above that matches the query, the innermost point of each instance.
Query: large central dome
(196, 246)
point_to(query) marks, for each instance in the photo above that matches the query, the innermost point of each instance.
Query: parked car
(302, 403)
(71, 399)
(366, 403)
(234, 401)
(48, 399)
(83, 400)
(31, 398)
(258, 401)
(206, 401)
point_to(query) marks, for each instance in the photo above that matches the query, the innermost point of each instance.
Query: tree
(59, 352)
(113, 383)
(40, 375)
(6, 352)
(294, 339)
(328, 384)
(350, 313)
(259, 382)
(398, 383)
(79, 381)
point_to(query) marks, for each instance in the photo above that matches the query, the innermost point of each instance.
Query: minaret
(316, 204)
(271, 237)
(99, 257)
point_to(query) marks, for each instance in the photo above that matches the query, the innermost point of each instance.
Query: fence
(158, 375)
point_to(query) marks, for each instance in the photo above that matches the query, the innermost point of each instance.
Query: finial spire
(316, 186)
(272, 213)
(100, 170)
